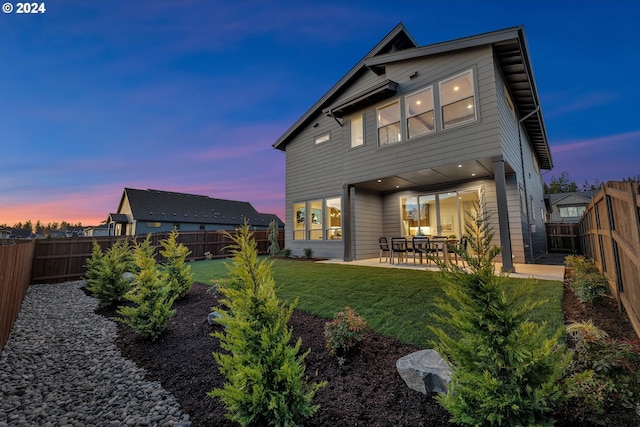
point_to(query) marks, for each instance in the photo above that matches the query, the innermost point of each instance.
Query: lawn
(394, 302)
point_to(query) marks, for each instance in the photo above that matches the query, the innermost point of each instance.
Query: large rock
(424, 371)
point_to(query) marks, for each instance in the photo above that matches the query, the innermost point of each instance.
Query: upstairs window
(420, 112)
(572, 211)
(457, 100)
(357, 131)
(389, 124)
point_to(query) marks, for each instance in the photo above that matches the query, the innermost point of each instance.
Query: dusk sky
(189, 96)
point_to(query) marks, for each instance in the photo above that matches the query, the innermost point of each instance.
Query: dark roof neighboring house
(166, 206)
(555, 199)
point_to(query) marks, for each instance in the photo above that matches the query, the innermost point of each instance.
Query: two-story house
(410, 138)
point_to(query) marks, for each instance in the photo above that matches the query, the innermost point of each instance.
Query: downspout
(524, 180)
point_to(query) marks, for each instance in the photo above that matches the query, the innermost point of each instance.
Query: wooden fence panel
(15, 271)
(57, 260)
(563, 238)
(610, 230)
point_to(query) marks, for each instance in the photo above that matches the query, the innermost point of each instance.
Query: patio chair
(384, 249)
(421, 246)
(459, 247)
(399, 247)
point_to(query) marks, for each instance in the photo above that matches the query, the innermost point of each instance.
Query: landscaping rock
(213, 317)
(424, 371)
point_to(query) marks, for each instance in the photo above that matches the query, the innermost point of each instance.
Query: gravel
(61, 367)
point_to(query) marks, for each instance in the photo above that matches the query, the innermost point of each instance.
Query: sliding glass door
(439, 214)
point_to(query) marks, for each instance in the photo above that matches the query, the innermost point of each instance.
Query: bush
(179, 274)
(152, 295)
(603, 372)
(265, 384)
(580, 263)
(344, 332)
(105, 278)
(505, 368)
(274, 232)
(589, 287)
(308, 253)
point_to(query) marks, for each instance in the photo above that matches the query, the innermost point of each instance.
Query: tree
(505, 368)
(562, 184)
(265, 375)
(107, 282)
(274, 231)
(152, 294)
(179, 274)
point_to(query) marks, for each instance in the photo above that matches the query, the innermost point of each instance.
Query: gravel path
(61, 367)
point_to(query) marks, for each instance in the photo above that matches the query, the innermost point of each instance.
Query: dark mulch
(365, 391)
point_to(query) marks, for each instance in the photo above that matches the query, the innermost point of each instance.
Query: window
(333, 211)
(324, 220)
(420, 112)
(357, 131)
(315, 225)
(389, 124)
(323, 138)
(571, 211)
(457, 100)
(154, 224)
(299, 212)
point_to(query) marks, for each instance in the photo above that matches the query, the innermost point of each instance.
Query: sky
(189, 96)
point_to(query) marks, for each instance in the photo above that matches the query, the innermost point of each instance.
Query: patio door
(439, 214)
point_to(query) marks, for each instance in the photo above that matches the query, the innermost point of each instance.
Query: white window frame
(409, 116)
(357, 131)
(399, 123)
(323, 138)
(472, 95)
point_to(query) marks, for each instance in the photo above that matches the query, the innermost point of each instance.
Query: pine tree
(505, 368)
(94, 264)
(265, 375)
(105, 280)
(152, 295)
(179, 274)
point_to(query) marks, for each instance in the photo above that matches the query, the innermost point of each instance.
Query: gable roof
(558, 197)
(511, 51)
(156, 205)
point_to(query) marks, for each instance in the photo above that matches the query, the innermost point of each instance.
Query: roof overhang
(365, 98)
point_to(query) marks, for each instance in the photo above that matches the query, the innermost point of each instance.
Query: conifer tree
(94, 264)
(179, 274)
(505, 368)
(105, 280)
(152, 295)
(265, 375)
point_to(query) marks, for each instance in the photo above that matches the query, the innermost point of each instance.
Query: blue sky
(189, 96)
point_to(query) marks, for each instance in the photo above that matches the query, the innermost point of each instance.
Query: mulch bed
(365, 391)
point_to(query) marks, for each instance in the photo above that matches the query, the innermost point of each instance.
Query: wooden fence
(15, 271)
(610, 236)
(57, 260)
(564, 238)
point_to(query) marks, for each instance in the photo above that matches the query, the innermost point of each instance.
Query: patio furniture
(421, 245)
(384, 248)
(456, 247)
(399, 246)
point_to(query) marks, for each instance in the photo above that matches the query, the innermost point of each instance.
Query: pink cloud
(608, 141)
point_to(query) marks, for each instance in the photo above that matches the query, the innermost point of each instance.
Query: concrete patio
(522, 271)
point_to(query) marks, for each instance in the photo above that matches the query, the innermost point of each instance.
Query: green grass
(394, 302)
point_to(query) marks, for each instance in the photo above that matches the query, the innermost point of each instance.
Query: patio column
(503, 214)
(346, 222)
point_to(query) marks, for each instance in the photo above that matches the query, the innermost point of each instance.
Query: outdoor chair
(399, 247)
(459, 247)
(421, 246)
(384, 249)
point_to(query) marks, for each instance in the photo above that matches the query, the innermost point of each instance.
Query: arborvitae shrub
(152, 295)
(179, 274)
(265, 376)
(94, 264)
(274, 232)
(505, 368)
(105, 278)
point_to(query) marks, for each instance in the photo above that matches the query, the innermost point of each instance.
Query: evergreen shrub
(344, 332)
(152, 295)
(179, 273)
(104, 277)
(265, 376)
(505, 368)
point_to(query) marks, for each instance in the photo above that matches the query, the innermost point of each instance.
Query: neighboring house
(568, 207)
(99, 231)
(150, 211)
(5, 233)
(410, 138)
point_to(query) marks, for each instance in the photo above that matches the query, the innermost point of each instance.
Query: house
(150, 211)
(5, 233)
(568, 207)
(97, 231)
(410, 138)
